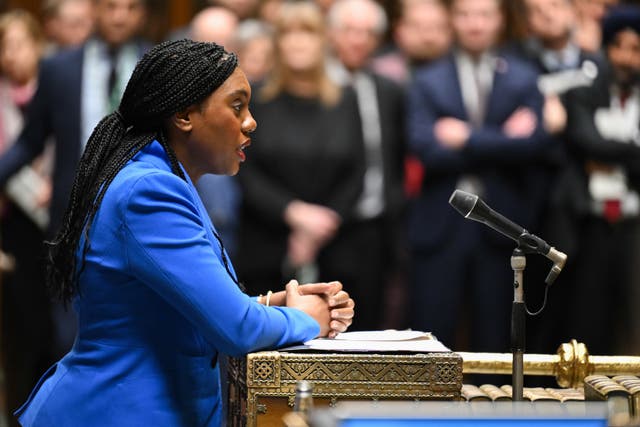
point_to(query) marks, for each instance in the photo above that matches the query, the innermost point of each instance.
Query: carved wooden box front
(262, 385)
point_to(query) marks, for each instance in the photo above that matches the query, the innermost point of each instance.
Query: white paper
(376, 341)
(386, 335)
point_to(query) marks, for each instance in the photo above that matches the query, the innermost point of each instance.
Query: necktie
(481, 92)
(371, 201)
(113, 90)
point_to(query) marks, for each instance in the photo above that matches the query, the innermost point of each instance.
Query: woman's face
(19, 54)
(301, 50)
(219, 130)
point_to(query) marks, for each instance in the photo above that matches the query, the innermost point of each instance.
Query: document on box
(377, 341)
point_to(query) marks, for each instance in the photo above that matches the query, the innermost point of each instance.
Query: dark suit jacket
(391, 105)
(54, 111)
(504, 164)
(586, 143)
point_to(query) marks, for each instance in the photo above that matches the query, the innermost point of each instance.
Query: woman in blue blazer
(156, 296)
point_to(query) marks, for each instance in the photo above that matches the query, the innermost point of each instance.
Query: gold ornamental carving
(570, 365)
(340, 377)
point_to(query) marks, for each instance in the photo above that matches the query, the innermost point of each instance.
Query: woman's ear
(182, 119)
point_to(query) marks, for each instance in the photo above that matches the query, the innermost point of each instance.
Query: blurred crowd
(370, 114)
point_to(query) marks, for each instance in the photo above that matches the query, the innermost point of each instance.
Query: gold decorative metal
(262, 375)
(569, 366)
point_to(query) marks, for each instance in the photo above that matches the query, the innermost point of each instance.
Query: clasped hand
(327, 303)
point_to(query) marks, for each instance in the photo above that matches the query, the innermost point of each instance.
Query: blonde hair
(299, 15)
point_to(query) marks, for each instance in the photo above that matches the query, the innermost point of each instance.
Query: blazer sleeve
(168, 249)
(490, 144)
(37, 127)
(344, 195)
(422, 114)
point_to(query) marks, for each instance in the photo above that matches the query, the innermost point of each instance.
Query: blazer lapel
(451, 84)
(498, 90)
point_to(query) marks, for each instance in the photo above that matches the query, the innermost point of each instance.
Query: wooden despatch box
(262, 385)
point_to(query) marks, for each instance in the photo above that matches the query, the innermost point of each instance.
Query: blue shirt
(155, 307)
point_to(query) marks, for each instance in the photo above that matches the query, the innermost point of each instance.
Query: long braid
(169, 78)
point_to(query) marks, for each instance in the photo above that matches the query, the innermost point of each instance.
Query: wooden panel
(32, 6)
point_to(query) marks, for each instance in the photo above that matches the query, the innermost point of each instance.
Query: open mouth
(240, 150)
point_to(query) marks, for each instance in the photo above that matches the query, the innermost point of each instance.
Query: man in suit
(562, 65)
(422, 34)
(76, 88)
(604, 143)
(355, 29)
(474, 120)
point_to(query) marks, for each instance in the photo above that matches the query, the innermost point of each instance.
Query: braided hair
(169, 78)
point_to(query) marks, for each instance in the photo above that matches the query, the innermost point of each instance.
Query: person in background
(605, 157)
(253, 42)
(67, 23)
(243, 9)
(552, 48)
(562, 65)
(214, 24)
(306, 172)
(469, 136)
(26, 322)
(324, 5)
(268, 11)
(589, 14)
(75, 88)
(355, 29)
(421, 35)
(137, 254)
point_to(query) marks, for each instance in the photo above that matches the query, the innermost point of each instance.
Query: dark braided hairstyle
(169, 78)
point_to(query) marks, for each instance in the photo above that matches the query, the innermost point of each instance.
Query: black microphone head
(463, 202)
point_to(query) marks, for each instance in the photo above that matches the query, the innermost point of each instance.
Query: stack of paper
(377, 341)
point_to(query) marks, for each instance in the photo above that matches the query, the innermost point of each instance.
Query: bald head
(356, 27)
(214, 24)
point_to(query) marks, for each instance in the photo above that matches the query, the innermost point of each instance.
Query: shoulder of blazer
(64, 59)
(61, 74)
(512, 65)
(444, 67)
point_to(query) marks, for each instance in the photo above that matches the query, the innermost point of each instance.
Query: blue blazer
(156, 305)
(505, 165)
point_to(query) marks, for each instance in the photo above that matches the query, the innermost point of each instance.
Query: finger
(340, 299)
(346, 304)
(336, 286)
(314, 288)
(338, 326)
(342, 313)
(292, 286)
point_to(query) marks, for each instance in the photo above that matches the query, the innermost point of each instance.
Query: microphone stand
(518, 318)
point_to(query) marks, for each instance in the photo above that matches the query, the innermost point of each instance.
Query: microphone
(472, 207)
